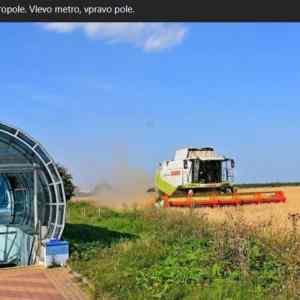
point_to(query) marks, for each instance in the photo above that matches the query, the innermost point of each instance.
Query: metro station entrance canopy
(32, 198)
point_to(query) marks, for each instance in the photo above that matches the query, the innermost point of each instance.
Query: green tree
(67, 179)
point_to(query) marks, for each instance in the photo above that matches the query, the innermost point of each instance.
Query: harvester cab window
(185, 164)
(206, 171)
(227, 169)
(197, 171)
(232, 162)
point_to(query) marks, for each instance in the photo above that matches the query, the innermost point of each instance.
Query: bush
(67, 181)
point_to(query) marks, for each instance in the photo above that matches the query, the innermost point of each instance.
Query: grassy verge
(163, 254)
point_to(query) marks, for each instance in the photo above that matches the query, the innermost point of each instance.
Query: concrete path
(38, 283)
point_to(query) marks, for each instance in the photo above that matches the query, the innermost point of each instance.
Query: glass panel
(42, 154)
(53, 217)
(51, 228)
(60, 214)
(52, 190)
(5, 201)
(53, 171)
(26, 139)
(7, 128)
(61, 193)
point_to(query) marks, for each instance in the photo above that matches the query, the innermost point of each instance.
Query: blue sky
(89, 92)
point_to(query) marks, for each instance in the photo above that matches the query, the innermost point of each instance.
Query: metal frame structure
(41, 181)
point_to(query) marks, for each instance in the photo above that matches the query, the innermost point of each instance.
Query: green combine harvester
(201, 177)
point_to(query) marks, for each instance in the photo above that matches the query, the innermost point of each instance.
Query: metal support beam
(16, 168)
(35, 197)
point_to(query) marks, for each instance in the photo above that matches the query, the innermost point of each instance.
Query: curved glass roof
(28, 173)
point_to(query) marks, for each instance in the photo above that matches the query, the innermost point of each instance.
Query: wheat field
(275, 214)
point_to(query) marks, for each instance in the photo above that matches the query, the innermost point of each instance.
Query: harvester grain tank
(202, 177)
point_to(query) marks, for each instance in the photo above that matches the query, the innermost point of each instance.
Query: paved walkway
(38, 283)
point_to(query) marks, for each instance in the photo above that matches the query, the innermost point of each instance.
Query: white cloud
(149, 36)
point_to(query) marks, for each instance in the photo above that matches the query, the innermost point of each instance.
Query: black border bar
(148, 10)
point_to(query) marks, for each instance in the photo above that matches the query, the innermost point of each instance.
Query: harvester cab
(202, 177)
(196, 170)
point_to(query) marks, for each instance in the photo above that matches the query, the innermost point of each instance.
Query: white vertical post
(35, 197)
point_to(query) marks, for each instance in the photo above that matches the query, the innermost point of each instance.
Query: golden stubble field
(273, 214)
(276, 214)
